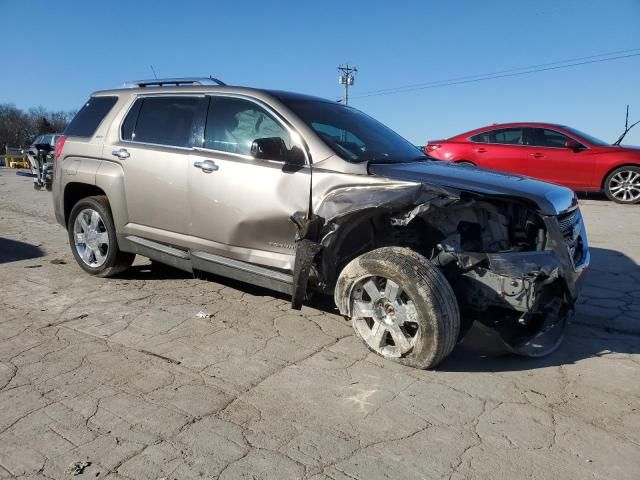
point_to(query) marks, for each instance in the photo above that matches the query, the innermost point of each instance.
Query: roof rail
(173, 82)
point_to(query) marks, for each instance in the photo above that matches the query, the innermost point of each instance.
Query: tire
(465, 164)
(393, 292)
(96, 250)
(623, 185)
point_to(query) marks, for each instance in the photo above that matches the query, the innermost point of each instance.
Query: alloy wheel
(625, 186)
(91, 238)
(384, 316)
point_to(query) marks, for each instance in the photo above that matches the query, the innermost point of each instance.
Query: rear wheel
(623, 185)
(400, 305)
(92, 236)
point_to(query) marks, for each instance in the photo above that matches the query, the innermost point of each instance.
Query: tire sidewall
(607, 182)
(105, 214)
(426, 300)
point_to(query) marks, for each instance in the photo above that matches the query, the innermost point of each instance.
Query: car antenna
(154, 72)
(219, 82)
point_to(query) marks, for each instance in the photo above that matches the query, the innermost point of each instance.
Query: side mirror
(572, 145)
(272, 148)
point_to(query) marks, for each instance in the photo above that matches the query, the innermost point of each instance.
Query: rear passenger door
(501, 149)
(156, 139)
(241, 206)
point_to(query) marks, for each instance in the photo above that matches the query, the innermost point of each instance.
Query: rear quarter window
(87, 120)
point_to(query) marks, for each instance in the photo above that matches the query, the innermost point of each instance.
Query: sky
(77, 47)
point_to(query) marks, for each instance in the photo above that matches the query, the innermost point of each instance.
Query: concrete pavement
(123, 375)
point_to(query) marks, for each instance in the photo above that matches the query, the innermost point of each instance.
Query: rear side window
(87, 120)
(481, 138)
(508, 136)
(161, 121)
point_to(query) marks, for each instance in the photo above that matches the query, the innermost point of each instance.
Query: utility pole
(347, 74)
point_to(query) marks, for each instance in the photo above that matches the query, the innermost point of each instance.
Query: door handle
(121, 154)
(207, 166)
(537, 155)
(481, 150)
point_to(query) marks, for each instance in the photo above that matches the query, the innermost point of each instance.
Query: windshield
(353, 135)
(587, 137)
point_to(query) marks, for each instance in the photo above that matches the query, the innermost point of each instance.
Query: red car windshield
(592, 140)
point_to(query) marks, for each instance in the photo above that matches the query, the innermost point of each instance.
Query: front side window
(161, 120)
(353, 135)
(234, 123)
(542, 137)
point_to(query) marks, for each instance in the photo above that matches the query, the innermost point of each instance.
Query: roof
(508, 125)
(279, 94)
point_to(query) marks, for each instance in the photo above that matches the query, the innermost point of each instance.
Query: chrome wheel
(624, 186)
(91, 238)
(384, 316)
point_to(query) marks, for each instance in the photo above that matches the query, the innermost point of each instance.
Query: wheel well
(74, 192)
(369, 233)
(465, 161)
(615, 168)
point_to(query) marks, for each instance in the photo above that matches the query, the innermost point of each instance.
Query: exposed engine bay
(511, 268)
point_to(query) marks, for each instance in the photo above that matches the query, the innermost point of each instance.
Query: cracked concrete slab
(123, 374)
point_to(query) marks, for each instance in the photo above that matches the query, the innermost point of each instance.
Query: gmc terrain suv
(299, 194)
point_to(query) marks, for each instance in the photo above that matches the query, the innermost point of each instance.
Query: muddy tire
(400, 305)
(92, 236)
(623, 185)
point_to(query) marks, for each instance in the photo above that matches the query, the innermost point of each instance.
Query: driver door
(550, 160)
(240, 206)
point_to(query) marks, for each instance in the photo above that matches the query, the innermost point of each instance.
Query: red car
(550, 152)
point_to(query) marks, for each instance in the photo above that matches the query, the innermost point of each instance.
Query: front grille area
(572, 232)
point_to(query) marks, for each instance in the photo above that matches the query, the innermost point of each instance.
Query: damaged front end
(513, 269)
(525, 289)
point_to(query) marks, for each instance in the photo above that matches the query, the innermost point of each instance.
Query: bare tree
(627, 128)
(19, 128)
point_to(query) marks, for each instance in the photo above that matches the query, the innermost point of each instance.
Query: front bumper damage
(524, 295)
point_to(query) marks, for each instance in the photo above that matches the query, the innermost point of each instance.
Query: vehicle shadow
(14, 251)
(607, 321)
(593, 196)
(594, 331)
(159, 271)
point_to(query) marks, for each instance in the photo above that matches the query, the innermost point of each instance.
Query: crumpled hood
(551, 199)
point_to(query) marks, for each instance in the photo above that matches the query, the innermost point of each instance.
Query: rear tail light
(432, 147)
(59, 146)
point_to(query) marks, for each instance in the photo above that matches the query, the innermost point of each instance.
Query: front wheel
(400, 305)
(623, 185)
(92, 236)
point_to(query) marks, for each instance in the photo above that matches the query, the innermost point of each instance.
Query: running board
(208, 262)
(242, 271)
(159, 251)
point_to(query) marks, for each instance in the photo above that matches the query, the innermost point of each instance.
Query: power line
(503, 73)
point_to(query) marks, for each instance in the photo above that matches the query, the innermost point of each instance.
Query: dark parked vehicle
(41, 159)
(300, 194)
(554, 153)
